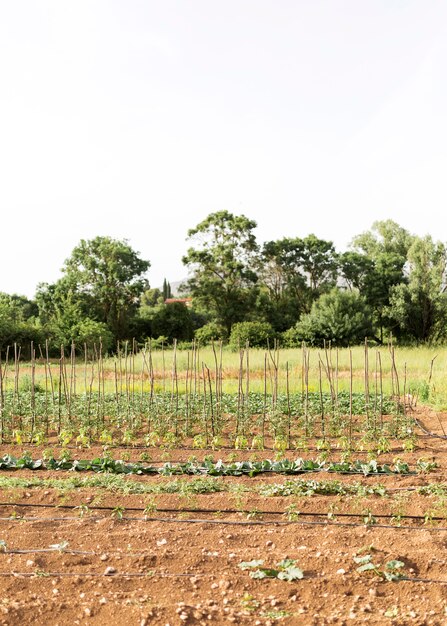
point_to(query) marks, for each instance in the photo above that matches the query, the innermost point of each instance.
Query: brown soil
(179, 564)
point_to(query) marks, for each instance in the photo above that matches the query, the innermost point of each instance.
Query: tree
(293, 273)
(256, 334)
(151, 298)
(172, 321)
(64, 315)
(385, 236)
(18, 321)
(223, 280)
(419, 307)
(356, 270)
(283, 291)
(385, 248)
(340, 317)
(110, 275)
(167, 293)
(319, 262)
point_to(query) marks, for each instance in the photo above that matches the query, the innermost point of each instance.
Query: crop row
(209, 467)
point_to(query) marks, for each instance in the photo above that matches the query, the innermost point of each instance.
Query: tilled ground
(103, 555)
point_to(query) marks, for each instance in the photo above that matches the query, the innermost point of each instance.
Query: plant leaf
(248, 564)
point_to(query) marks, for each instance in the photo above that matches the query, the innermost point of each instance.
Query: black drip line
(72, 507)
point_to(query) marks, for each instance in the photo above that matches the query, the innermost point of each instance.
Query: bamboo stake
(33, 391)
(350, 398)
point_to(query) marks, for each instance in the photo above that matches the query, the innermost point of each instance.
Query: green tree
(293, 273)
(223, 281)
(110, 275)
(283, 291)
(341, 317)
(385, 248)
(167, 293)
(257, 334)
(151, 298)
(173, 321)
(63, 312)
(319, 262)
(356, 270)
(18, 322)
(419, 307)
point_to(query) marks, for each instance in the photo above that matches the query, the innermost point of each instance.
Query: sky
(136, 119)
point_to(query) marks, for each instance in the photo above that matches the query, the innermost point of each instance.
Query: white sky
(137, 118)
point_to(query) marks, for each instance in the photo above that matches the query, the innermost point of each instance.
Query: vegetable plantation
(206, 486)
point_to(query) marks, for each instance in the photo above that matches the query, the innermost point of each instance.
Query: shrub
(257, 334)
(339, 317)
(209, 332)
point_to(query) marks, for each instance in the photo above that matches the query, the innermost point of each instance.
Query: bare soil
(170, 559)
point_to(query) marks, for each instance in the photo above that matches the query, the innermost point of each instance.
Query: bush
(257, 334)
(173, 321)
(339, 317)
(208, 333)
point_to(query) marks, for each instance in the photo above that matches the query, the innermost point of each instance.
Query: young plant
(391, 571)
(284, 570)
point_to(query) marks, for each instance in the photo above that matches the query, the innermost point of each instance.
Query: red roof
(181, 300)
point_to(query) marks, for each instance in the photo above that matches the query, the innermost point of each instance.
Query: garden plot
(311, 547)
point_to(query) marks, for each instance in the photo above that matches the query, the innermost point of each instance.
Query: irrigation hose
(429, 433)
(170, 520)
(258, 512)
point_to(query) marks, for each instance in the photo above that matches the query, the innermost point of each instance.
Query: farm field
(306, 493)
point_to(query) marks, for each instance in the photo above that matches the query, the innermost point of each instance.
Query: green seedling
(284, 570)
(249, 603)
(59, 547)
(390, 571)
(118, 512)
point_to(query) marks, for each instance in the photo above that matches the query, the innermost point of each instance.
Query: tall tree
(419, 307)
(221, 264)
(385, 248)
(340, 317)
(293, 273)
(111, 275)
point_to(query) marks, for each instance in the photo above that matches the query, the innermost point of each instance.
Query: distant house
(186, 301)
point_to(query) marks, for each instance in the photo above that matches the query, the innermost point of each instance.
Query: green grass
(132, 373)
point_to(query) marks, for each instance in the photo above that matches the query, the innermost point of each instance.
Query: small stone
(104, 557)
(162, 542)
(341, 571)
(109, 571)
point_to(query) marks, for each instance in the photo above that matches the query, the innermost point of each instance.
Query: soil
(93, 555)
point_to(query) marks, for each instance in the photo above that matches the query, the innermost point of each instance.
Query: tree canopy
(388, 283)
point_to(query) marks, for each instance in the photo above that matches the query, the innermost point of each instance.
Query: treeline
(389, 283)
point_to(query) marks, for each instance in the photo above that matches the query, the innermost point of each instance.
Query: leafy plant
(284, 570)
(391, 570)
